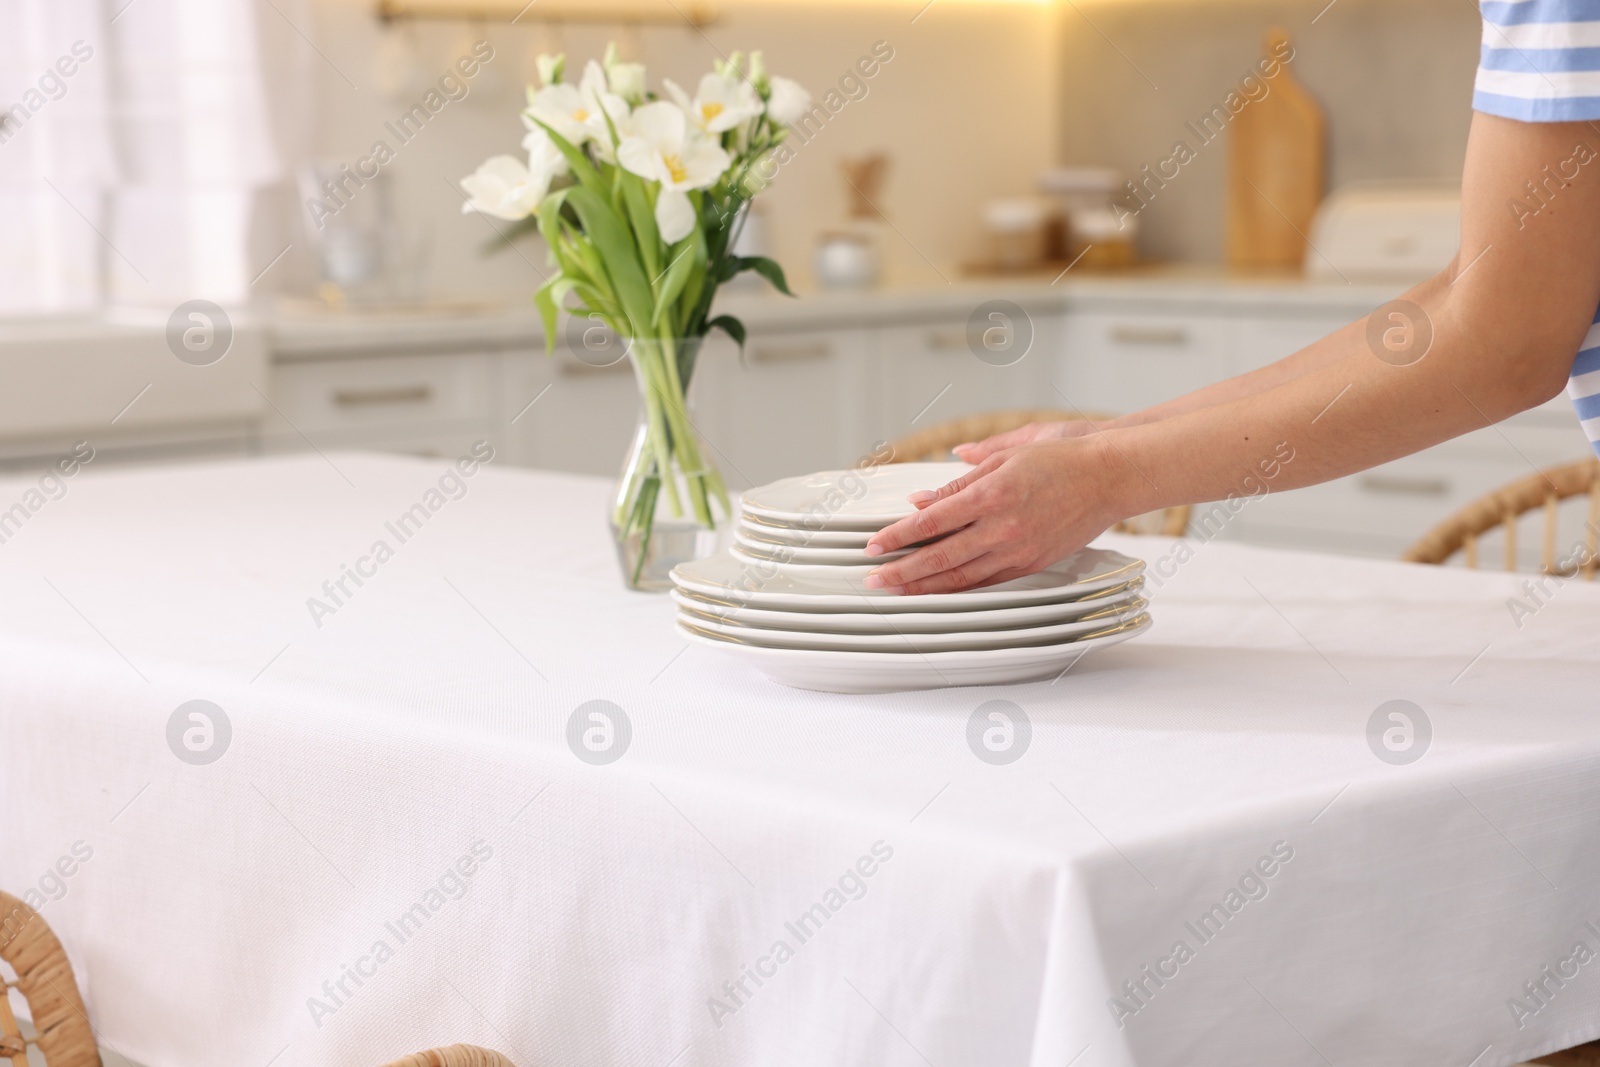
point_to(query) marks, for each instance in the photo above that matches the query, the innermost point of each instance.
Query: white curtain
(136, 139)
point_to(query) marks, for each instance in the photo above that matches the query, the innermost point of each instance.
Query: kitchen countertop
(302, 335)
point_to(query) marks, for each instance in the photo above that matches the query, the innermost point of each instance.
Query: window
(134, 137)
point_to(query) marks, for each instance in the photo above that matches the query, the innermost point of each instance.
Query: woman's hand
(1024, 435)
(1017, 512)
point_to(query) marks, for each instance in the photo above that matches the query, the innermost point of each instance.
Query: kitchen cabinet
(116, 382)
(1120, 361)
(410, 404)
(799, 400)
(1133, 354)
(339, 400)
(1261, 339)
(1382, 511)
(560, 413)
(822, 381)
(932, 372)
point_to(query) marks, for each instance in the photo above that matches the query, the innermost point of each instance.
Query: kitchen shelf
(670, 12)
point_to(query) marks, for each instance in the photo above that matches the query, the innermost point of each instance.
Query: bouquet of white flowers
(640, 198)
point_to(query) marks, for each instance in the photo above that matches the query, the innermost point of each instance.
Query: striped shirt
(1541, 63)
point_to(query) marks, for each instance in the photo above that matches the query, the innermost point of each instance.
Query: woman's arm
(1336, 346)
(1505, 330)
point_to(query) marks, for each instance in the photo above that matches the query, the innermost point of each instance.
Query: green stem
(627, 513)
(647, 358)
(684, 440)
(647, 509)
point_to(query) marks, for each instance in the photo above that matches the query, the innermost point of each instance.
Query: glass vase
(670, 498)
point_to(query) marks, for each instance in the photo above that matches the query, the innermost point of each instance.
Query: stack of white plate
(788, 596)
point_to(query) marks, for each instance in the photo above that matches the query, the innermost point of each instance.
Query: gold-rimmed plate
(866, 621)
(755, 528)
(768, 585)
(1098, 621)
(887, 672)
(795, 556)
(848, 499)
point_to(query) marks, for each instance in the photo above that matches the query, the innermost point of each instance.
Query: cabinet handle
(577, 368)
(1150, 335)
(1389, 483)
(795, 353)
(366, 398)
(947, 340)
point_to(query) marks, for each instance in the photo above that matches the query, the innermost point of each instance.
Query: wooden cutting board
(1277, 170)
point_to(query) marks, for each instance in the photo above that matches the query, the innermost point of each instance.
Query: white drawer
(362, 394)
(560, 413)
(1262, 340)
(1123, 362)
(797, 402)
(932, 372)
(1384, 510)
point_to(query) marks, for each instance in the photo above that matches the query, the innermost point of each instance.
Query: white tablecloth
(398, 803)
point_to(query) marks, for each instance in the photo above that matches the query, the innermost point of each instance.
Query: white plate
(768, 585)
(794, 555)
(908, 622)
(820, 571)
(1097, 621)
(888, 672)
(754, 529)
(850, 499)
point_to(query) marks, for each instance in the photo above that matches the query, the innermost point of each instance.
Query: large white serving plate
(754, 529)
(887, 672)
(1097, 621)
(909, 622)
(795, 555)
(725, 577)
(849, 499)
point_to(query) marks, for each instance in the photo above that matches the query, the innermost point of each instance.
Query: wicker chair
(1500, 510)
(454, 1056)
(44, 977)
(935, 442)
(1582, 1056)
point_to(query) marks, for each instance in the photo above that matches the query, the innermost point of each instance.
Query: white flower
(575, 111)
(662, 148)
(562, 108)
(721, 104)
(545, 161)
(551, 68)
(789, 102)
(505, 188)
(626, 80)
(621, 120)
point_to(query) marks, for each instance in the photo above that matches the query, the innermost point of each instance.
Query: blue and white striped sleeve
(1540, 60)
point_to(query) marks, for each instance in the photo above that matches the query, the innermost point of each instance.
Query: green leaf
(550, 214)
(767, 268)
(581, 260)
(730, 326)
(600, 304)
(617, 254)
(548, 300)
(693, 312)
(681, 267)
(582, 169)
(636, 198)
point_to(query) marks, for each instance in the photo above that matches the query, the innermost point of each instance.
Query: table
(385, 840)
